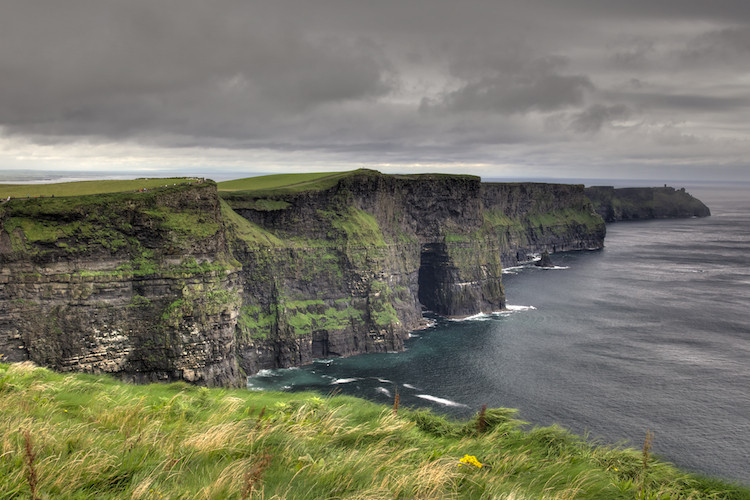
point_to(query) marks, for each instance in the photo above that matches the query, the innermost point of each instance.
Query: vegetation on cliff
(83, 436)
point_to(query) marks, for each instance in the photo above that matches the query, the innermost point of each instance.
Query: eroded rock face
(177, 284)
(139, 285)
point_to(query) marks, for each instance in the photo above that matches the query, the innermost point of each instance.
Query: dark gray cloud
(593, 118)
(405, 81)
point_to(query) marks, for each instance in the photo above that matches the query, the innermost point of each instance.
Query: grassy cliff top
(294, 183)
(84, 436)
(286, 182)
(82, 188)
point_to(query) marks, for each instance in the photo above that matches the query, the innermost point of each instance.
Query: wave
(409, 386)
(442, 401)
(485, 316)
(513, 308)
(383, 380)
(345, 380)
(278, 372)
(473, 317)
(383, 390)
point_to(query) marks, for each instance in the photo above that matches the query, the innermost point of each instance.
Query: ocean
(652, 333)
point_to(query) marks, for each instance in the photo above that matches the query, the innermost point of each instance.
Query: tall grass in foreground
(91, 437)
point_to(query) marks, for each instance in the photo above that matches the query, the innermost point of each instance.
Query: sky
(646, 89)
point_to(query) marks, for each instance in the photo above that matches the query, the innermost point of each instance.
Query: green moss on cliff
(252, 234)
(381, 300)
(354, 227)
(114, 222)
(308, 316)
(255, 323)
(185, 222)
(197, 301)
(565, 218)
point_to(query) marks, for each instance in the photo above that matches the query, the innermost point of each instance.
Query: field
(282, 182)
(287, 182)
(85, 436)
(85, 187)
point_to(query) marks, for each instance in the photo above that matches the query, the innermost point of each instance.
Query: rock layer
(136, 284)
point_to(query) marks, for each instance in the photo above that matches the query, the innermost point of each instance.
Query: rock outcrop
(179, 284)
(545, 260)
(621, 204)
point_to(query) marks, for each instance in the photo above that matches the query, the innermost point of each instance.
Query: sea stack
(545, 261)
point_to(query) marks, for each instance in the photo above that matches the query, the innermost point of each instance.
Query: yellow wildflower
(470, 460)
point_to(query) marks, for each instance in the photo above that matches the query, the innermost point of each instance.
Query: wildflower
(470, 460)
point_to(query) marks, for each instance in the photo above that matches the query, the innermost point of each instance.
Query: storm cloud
(538, 87)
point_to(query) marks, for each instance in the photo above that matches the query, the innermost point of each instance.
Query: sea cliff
(189, 282)
(620, 204)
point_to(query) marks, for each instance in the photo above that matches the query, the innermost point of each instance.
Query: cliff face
(350, 266)
(180, 284)
(343, 267)
(644, 203)
(137, 284)
(530, 218)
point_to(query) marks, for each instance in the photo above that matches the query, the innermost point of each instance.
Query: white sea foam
(383, 390)
(442, 401)
(409, 386)
(519, 308)
(326, 362)
(512, 269)
(384, 381)
(265, 373)
(555, 268)
(473, 317)
(344, 380)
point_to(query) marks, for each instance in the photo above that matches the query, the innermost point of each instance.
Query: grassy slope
(290, 182)
(92, 437)
(84, 187)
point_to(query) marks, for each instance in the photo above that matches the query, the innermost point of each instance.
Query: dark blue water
(651, 333)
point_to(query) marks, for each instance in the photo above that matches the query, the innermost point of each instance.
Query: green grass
(355, 226)
(246, 231)
(86, 187)
(86, 436)
(287, 182)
